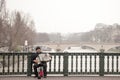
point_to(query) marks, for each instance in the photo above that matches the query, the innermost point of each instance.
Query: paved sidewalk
(61, 78)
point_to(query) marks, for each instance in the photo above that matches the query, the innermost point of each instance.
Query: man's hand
(36, 61)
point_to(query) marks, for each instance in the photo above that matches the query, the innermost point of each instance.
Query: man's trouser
(42, 64)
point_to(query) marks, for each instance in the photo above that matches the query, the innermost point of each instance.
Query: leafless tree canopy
(15, 28)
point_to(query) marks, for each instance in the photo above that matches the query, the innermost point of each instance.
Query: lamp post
(102, 50)
(26, 46)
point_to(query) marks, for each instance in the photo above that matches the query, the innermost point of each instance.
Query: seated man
(36, 63)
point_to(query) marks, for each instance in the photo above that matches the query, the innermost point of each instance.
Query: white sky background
(68, 15)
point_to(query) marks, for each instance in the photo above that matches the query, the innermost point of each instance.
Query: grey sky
(68, 15)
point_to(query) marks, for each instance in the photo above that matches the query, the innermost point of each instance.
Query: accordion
(44, 57)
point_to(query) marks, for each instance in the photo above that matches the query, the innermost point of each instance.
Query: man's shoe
(39, 77)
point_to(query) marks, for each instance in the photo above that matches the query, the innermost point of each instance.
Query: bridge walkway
(61, 78)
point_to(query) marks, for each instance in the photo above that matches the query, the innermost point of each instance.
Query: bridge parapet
(96, 46)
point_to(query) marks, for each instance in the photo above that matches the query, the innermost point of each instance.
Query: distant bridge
(96, 46)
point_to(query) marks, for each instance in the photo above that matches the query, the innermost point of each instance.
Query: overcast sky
(68, 15)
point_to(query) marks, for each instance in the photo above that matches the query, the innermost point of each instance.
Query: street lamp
(102, 50)
(26, 45)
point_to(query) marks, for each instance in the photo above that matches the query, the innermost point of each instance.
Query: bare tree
(15, 28)
(3, 25)
(42, 37)
(22, 29)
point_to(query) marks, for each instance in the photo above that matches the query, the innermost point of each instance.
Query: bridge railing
(63, 63)
(13, 63)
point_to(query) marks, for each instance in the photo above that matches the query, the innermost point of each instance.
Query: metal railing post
(101, 64)
(29, 66)
(65, 66)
